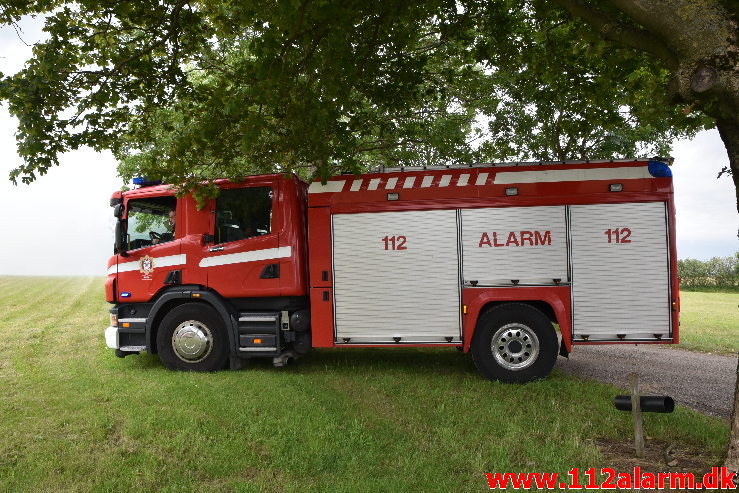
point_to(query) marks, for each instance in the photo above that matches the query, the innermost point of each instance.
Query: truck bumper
(111, 337)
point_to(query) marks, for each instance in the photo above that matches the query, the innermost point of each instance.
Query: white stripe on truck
(500, 178)
(168, 261)
(241, 257)
(555, 175)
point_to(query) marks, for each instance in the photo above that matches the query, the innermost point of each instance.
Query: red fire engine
(484, 258)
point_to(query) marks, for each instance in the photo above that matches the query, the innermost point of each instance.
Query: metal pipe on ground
(647, 403)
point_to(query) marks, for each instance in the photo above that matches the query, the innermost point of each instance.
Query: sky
(62, 223)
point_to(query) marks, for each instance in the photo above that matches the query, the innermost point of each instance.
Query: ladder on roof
(510, 164)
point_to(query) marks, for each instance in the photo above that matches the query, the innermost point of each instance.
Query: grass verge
(76, 418)
(709, 321)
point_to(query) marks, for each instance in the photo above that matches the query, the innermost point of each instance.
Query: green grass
(709, 321)
(76, 418)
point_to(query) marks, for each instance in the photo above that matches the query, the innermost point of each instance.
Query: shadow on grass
(143, 361)
(369, 362)
(446, 361)
(405, 360)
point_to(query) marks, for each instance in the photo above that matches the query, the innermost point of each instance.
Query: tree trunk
(729, 132)
(698, 41)
(732, 456)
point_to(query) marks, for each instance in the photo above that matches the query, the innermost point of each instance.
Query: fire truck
(514, 263)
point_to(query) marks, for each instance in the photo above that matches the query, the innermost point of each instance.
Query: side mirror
(120, 239)
(118, 211)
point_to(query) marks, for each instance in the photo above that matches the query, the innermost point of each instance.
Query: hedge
(717, 273)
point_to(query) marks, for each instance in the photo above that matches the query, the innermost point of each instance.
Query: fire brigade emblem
(146, 265)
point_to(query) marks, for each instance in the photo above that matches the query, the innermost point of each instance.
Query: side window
(243, 213)
(151, 221)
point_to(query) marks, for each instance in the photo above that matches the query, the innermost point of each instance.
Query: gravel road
(704, 382)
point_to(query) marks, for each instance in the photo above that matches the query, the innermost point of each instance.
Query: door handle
(215, 249)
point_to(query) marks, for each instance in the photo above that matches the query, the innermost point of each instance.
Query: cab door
(195, 244)
(243, 259)
(153, 243)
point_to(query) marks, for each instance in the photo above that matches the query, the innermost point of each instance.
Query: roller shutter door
(526, 244)
(396, 275)
(620, 271)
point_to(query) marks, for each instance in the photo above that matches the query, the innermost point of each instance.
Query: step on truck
(514, 263)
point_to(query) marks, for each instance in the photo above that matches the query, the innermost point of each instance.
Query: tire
(514, 343)
(193, 337)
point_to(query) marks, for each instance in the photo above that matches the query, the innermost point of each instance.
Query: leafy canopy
(182, 91)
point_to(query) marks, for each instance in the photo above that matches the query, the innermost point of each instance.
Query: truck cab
(243, 251)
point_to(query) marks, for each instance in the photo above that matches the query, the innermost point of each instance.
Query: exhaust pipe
(284, 359)
(647, 403)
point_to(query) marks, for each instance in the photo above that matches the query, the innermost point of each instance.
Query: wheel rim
(192, 341)
(515, 346)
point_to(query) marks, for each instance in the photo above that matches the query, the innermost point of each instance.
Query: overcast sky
(62, 223)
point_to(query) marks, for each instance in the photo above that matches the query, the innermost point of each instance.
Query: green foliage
(186, 92)
(561, 92)
(149, 222)
(716, 273)
(282, 97)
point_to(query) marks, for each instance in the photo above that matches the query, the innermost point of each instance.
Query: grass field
(76, 418)
(709, 321)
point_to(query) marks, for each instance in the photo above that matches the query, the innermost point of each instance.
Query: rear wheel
(514, 343)
(193, 337)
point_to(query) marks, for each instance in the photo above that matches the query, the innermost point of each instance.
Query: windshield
(151, 221)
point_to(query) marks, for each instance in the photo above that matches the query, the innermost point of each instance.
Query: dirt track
(704, 382)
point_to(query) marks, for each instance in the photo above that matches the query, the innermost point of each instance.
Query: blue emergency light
(142, 181)
(658, 169)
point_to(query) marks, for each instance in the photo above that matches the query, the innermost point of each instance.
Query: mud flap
(236, 363)
(563, 350)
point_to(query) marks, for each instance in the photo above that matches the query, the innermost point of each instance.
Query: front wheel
(193, 337)
(514, 343)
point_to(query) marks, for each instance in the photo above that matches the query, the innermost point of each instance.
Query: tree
(189, 90)
(697, 41)
(718, 272)
(184, 91)
(565, 93)
(732, 455)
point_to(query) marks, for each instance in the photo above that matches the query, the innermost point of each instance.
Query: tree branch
(614, 30)
(170, 35)
(690, 28)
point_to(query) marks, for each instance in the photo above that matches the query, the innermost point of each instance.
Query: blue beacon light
(658, 169)
(143, 181)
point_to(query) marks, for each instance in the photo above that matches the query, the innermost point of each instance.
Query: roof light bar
(142, 181)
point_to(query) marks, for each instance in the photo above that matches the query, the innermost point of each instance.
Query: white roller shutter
(527, 244)
(410, 290)
(621, 287)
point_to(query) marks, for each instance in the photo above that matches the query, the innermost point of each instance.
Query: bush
(717, 273)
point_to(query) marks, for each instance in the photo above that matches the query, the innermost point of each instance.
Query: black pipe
(648, 403)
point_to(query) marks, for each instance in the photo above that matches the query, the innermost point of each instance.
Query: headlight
(113, 320)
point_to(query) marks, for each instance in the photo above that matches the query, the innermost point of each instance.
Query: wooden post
(636, 413)
(732, 456)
